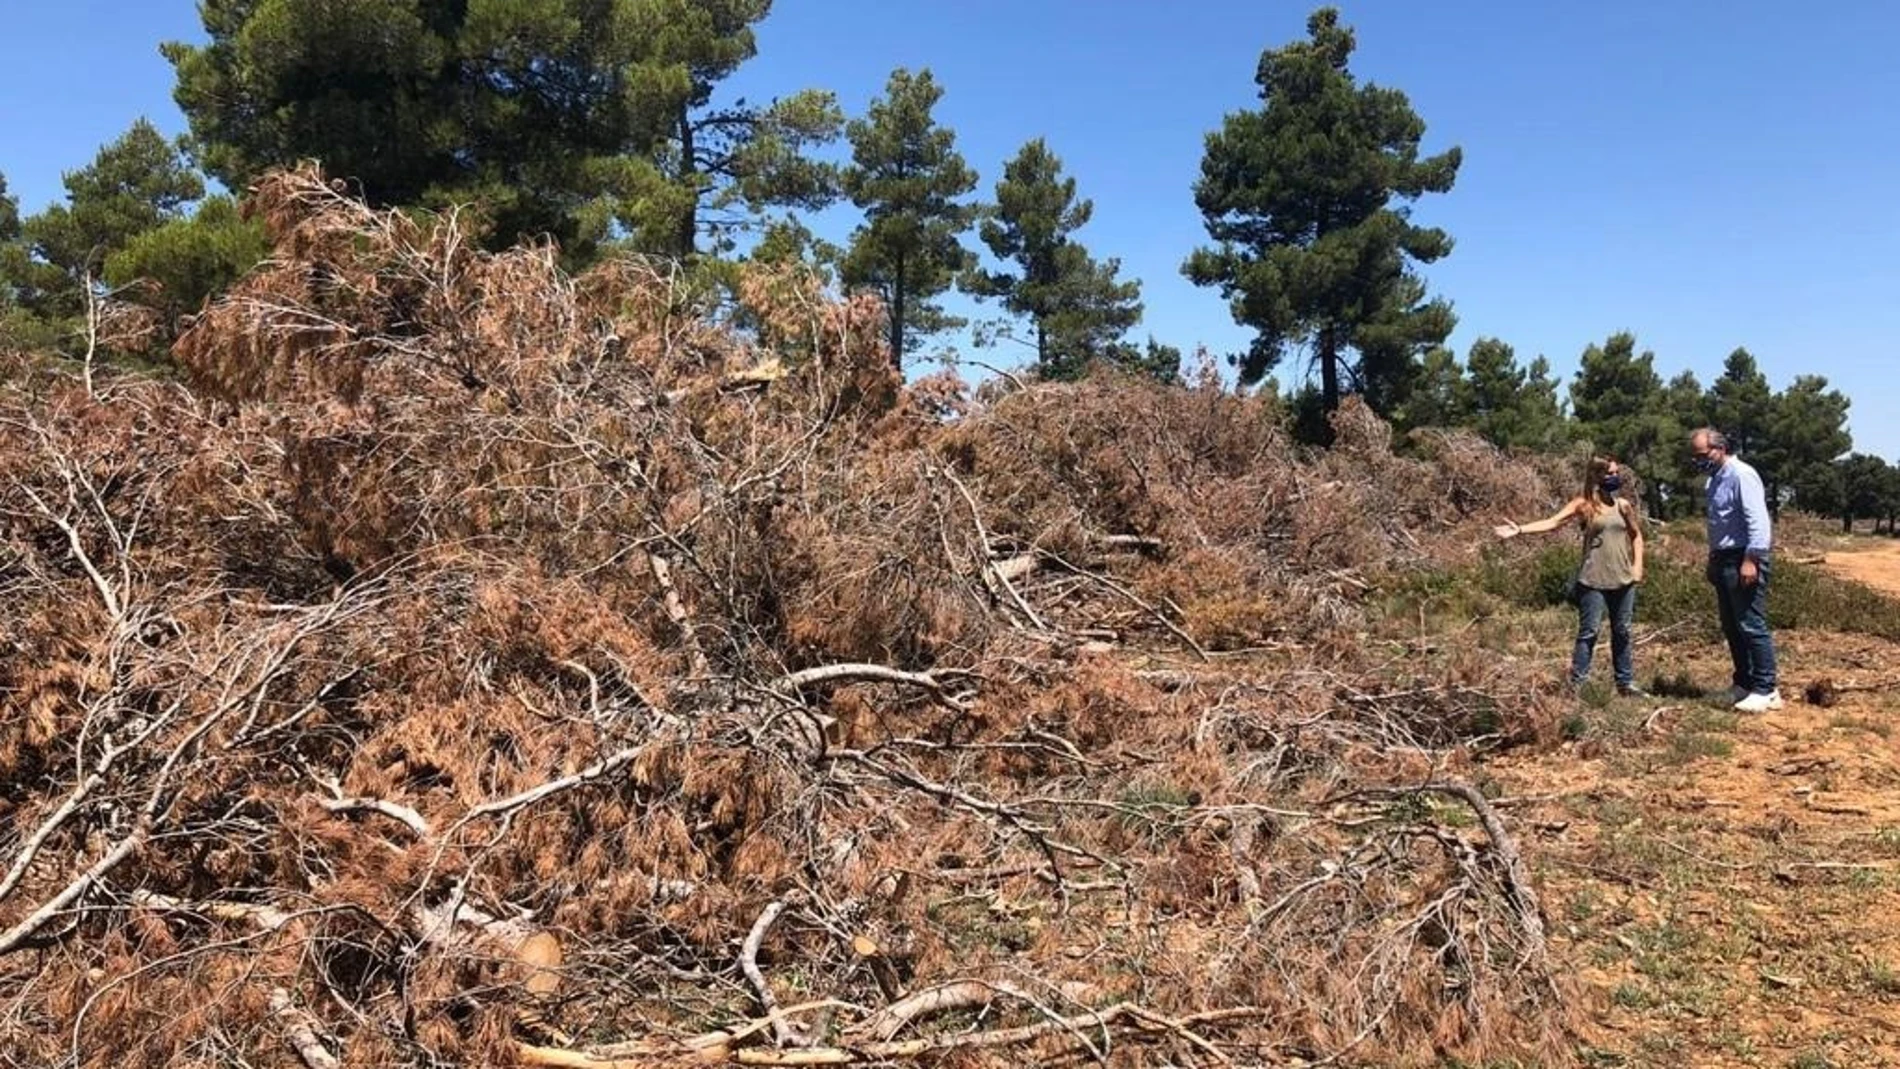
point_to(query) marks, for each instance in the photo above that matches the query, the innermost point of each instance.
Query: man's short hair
(1714, 438)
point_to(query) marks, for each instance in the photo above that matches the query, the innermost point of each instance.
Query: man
(1739, 544)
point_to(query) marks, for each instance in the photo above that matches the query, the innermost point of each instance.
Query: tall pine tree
(589, 120)
(1865, 481)
(1513, 407)
(13, 254)
(1681, 407)
(1806, 433)
(907, 177)
(1616, 401)
(1077, 309)
(1437, 395)
(135, 184)
(18, 328)
(1740, 403)
(1541, 424)
(1298, 197)
(9, 213)
(723, 164)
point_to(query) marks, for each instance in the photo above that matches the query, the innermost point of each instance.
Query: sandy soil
(1874, 561)
(1725, 889)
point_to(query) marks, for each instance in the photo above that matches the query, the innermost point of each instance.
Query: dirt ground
(1726, 888)
(1874, 561)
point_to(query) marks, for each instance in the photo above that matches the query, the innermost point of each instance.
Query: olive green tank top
(1608, 562)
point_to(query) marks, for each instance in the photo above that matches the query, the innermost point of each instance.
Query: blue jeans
(1744, 611)
(1592, 605)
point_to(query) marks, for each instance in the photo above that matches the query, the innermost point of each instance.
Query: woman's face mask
(1612, 483)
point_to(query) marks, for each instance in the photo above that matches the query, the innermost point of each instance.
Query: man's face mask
(1706, 464)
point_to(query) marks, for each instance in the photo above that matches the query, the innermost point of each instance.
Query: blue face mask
(1707, 465)
(1611, 483)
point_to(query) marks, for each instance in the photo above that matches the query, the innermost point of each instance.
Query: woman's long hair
(1595, 498)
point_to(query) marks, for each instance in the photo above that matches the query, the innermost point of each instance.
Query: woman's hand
(1507, 530)
(1637, 572)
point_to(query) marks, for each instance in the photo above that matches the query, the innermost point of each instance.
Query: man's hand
(1751, 573)
(1637, 572)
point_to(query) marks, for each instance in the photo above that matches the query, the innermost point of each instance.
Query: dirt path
(1724, 888)
(1874, 562)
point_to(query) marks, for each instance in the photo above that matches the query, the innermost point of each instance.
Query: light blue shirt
(1738, 510)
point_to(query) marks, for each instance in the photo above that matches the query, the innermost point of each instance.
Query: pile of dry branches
(470, 664)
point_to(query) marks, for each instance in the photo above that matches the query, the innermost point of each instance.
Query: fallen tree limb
(995, 577)
(76, 888)
(1517, 876)
(402, 814)
(602, 768)
(782, 1029)
(717, 1048)
(662, 572)
(936, 686)
(263, 918)
(301, 1030)
(887, 1022)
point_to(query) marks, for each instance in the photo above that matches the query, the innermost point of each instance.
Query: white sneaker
(1760, 703)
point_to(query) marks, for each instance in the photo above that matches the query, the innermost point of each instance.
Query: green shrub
(1804, 596)
(1538, 582)
(1800, 596)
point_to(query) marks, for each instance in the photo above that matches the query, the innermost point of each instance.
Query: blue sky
(1706, 174)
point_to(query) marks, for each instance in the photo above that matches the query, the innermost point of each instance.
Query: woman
(1612, 567)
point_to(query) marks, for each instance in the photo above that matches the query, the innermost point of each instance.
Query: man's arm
(1755, 513)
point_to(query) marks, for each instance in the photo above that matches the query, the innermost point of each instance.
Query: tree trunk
(1847, 523)
(686, 238)
(1329, 368)
(897, 316)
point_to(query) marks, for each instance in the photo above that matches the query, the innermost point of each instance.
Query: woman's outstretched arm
(1548, 523)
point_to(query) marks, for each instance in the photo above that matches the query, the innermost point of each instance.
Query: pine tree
(13, 253)
(588, 120)
(1438, 395)
(1493, 390)
(135, 184)
(9, 214)
(18, 328)
(1541, 424)
(1308, 247)
(1152, 359)
(189, 260)
(1806, 432)
(1681, 407)
(1616, 399)
(1077, 309)
(907, 177)
(1740, 403)
(1890, 499)
(723, 164)
(1865, 481)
